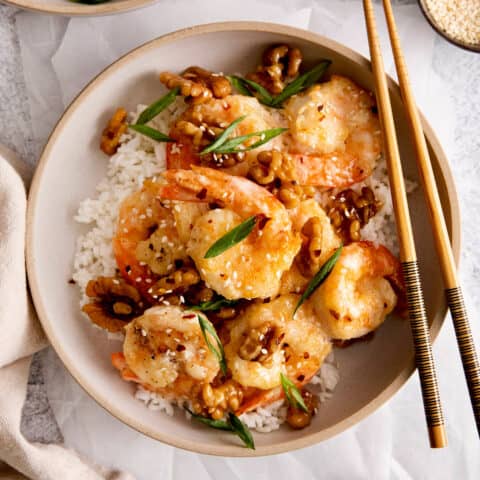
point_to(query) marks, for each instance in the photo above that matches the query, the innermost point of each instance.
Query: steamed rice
(139, 158)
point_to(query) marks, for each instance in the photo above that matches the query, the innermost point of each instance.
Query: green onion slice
(292, 393)
(151, 133)
(156, 107)
(232, 237)
(319, 277)
(208, 329)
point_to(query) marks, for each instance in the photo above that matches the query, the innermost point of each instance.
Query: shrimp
(335, 133)
(165, 351)
(146, 243)
(358, 294)
(253, 267)
(222, 112)
(319, 242)
(266, 341)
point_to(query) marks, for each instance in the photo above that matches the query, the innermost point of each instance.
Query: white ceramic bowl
(69, 8)
(71, 166)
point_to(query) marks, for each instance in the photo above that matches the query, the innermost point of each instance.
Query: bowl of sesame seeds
(458, 21)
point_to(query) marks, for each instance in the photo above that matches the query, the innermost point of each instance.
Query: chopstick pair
(416, 307)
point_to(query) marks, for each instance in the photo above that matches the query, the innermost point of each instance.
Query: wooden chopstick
(408, 257)
(442, 242)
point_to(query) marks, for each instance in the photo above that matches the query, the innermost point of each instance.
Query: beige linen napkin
(20, 337)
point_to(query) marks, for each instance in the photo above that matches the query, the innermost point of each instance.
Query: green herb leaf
(265, 136)
(319, 277)
(214, 305)
(223, 137)
(249, 86)
(231, 238)
(233, 424)
(217, 350)
(155, 108)
(292, 393)
(218, 424)
(302, 82)
(240, 429)
(239, 85)
(151, 133)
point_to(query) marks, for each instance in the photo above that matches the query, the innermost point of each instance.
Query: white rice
(139, 158)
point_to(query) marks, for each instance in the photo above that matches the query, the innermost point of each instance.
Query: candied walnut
(311, 251)
(215, 401)
(280, 65)
(203, 134)
(177, 281)
(112, 133)
(292, 194)
(273, 166)
(296, 417)
(199, 294)
(197, 85)
(349, 211)
(276, 171)
(114, 304)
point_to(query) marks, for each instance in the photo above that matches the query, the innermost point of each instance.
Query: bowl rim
(72, 9)
(227, 450)
(471, 47)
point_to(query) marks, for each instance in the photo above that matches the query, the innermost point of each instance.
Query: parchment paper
(59, 58)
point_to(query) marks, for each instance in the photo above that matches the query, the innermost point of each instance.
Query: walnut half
(114, 304)
(112, 133)
(198, 85)
(280, 65)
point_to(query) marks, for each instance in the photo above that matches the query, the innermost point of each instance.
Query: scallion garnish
(151, 133)
(292, 393)
(232, 237)
(265, 136)
(218, 424)
(223, 144)
(232, 424)
(245, 85)
(319, 277)
(302, 82)
(209, 330)
(223, 137)
(240, 429)
(214, 304)
(249, 87)
(157, 107)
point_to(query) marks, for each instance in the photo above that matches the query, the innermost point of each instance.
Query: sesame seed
(458, 18)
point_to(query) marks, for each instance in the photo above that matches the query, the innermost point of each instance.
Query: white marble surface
(389, 444)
